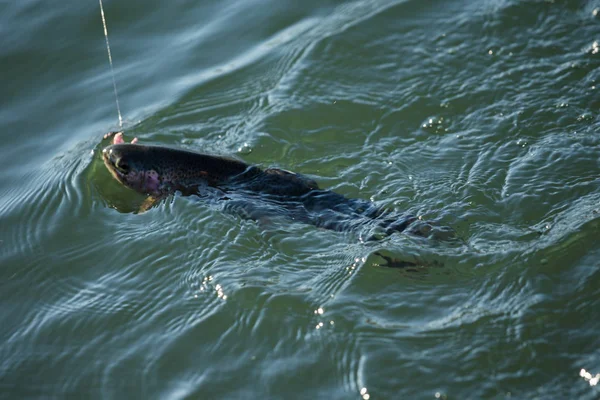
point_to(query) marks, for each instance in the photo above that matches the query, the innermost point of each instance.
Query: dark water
(481, 114)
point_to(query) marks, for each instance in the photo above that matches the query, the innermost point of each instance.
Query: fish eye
(122, 166)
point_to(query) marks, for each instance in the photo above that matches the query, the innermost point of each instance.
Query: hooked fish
(159, 171)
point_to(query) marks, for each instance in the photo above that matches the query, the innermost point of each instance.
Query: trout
(158, 171)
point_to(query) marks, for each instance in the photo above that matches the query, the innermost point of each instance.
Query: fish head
(134, 167)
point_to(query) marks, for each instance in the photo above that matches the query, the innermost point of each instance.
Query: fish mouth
(112, 164)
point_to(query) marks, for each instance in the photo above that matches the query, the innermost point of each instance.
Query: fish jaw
(110, 165)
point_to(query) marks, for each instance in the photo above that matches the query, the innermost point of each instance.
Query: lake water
(483, 115)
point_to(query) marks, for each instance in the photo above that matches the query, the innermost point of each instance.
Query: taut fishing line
(112, 71)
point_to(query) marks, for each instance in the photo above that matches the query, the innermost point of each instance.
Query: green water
(483, 115)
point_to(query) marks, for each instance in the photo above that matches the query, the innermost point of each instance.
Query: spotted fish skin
(157, 170)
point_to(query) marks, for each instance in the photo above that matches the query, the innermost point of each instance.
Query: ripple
(190, 300)
(47, 198)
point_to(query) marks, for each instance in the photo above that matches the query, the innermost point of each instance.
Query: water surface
(482, 115)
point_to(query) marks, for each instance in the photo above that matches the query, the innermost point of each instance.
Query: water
(483, 115)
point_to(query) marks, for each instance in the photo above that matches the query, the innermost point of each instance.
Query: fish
(253, 192)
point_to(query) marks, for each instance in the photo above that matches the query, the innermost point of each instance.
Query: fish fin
(148, 204)
(417, 264)
(392, 262)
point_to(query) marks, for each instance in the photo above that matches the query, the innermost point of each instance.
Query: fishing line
(112, 71)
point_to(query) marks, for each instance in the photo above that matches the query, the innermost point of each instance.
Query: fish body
(159, 171)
